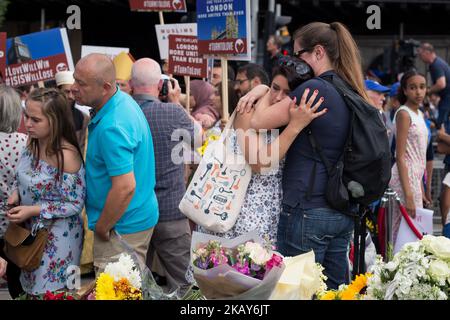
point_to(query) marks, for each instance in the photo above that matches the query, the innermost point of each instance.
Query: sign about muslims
(184, 59)
(224, 27)
(2, 55)
(37, 57)
(164, 30)
(161, 5)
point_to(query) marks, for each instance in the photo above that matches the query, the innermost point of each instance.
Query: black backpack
(362, 173)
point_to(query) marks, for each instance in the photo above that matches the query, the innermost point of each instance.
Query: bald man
(171, 240)
(120, 163)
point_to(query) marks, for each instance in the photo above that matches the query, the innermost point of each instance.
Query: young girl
(411, 146)
(50, 190)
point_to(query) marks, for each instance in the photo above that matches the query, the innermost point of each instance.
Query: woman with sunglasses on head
(50, 190)
(307, 221)
(264, 152)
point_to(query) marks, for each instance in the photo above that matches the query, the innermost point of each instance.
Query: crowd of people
(103, 140)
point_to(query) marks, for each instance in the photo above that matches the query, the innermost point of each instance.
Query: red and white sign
(37, 57)
(2, 55)
(184, 59)
(158, 5)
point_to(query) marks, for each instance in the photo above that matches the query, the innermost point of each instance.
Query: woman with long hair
(411, 147)
(265, 151)
(50, 189)
(307, 221)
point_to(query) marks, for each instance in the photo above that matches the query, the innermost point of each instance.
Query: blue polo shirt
(120, 142)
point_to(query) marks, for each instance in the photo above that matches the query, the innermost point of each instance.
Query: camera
(165, 87)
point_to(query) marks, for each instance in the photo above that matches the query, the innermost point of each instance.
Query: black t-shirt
(439, 68)
(330, 132)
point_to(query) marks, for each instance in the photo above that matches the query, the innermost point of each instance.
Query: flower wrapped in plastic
(302, 278)
(126, 277)
(244, 268)
(420, 271)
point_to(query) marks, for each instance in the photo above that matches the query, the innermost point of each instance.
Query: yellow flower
(125, 291)
(104, 289)
(349, 294)
(329, 295)
(360, 282)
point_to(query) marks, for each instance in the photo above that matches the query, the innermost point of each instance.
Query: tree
(3, 7)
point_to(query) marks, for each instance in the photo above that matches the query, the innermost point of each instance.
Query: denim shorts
(325, 231)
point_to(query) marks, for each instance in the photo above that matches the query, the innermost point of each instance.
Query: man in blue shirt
(120, 164)
(440, 74)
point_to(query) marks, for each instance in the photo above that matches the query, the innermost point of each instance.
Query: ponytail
(341, 50)
(348, 62)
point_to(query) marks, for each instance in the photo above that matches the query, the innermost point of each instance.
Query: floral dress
(262, 204)
(415, 157)
(61, 205)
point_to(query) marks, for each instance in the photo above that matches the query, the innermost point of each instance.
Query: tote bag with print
(217, 190)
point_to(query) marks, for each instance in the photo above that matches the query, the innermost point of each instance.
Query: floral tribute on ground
(420, 271)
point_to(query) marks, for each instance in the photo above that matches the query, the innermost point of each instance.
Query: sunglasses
(300, 66)
(298, 53)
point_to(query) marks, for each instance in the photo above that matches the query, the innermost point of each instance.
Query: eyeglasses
(298, 53)
(241, 81)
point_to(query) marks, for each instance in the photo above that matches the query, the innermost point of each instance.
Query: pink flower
(244, 269)
(275, 261)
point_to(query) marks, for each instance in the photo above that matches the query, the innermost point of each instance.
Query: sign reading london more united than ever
(184, 59)
(37, 57)
(158, 5)
(223, 27)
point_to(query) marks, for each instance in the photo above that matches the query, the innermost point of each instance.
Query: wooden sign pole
(187, 79)
(224, 65)
(161, 17)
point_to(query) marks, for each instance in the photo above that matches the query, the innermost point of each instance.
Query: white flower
(257, 253)
(439, 246)
(124, 268)
(439, 270)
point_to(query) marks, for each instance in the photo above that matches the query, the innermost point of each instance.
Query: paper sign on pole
(184, 59)
(224, 28)
(37, 57)
(424, 224)
(2, 55)
(111, 52)
(150, 6)
(164, 30)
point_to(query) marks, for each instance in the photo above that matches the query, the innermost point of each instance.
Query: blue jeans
(325, 231)
(446, 231)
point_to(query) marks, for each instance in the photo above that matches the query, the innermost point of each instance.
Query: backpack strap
(318, 150)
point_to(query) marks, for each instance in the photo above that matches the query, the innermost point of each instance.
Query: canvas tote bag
(217, 190)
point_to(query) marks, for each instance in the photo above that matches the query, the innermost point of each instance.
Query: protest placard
(2, 55)
(224, 28)
(184, 59)
(37, 57)
(111, 52)
(161, 5)
(164, 30)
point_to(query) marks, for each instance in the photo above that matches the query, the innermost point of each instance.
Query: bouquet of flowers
(120, 281)
(242, 268)
(420, 271)
(353, 291)
(302, 278)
